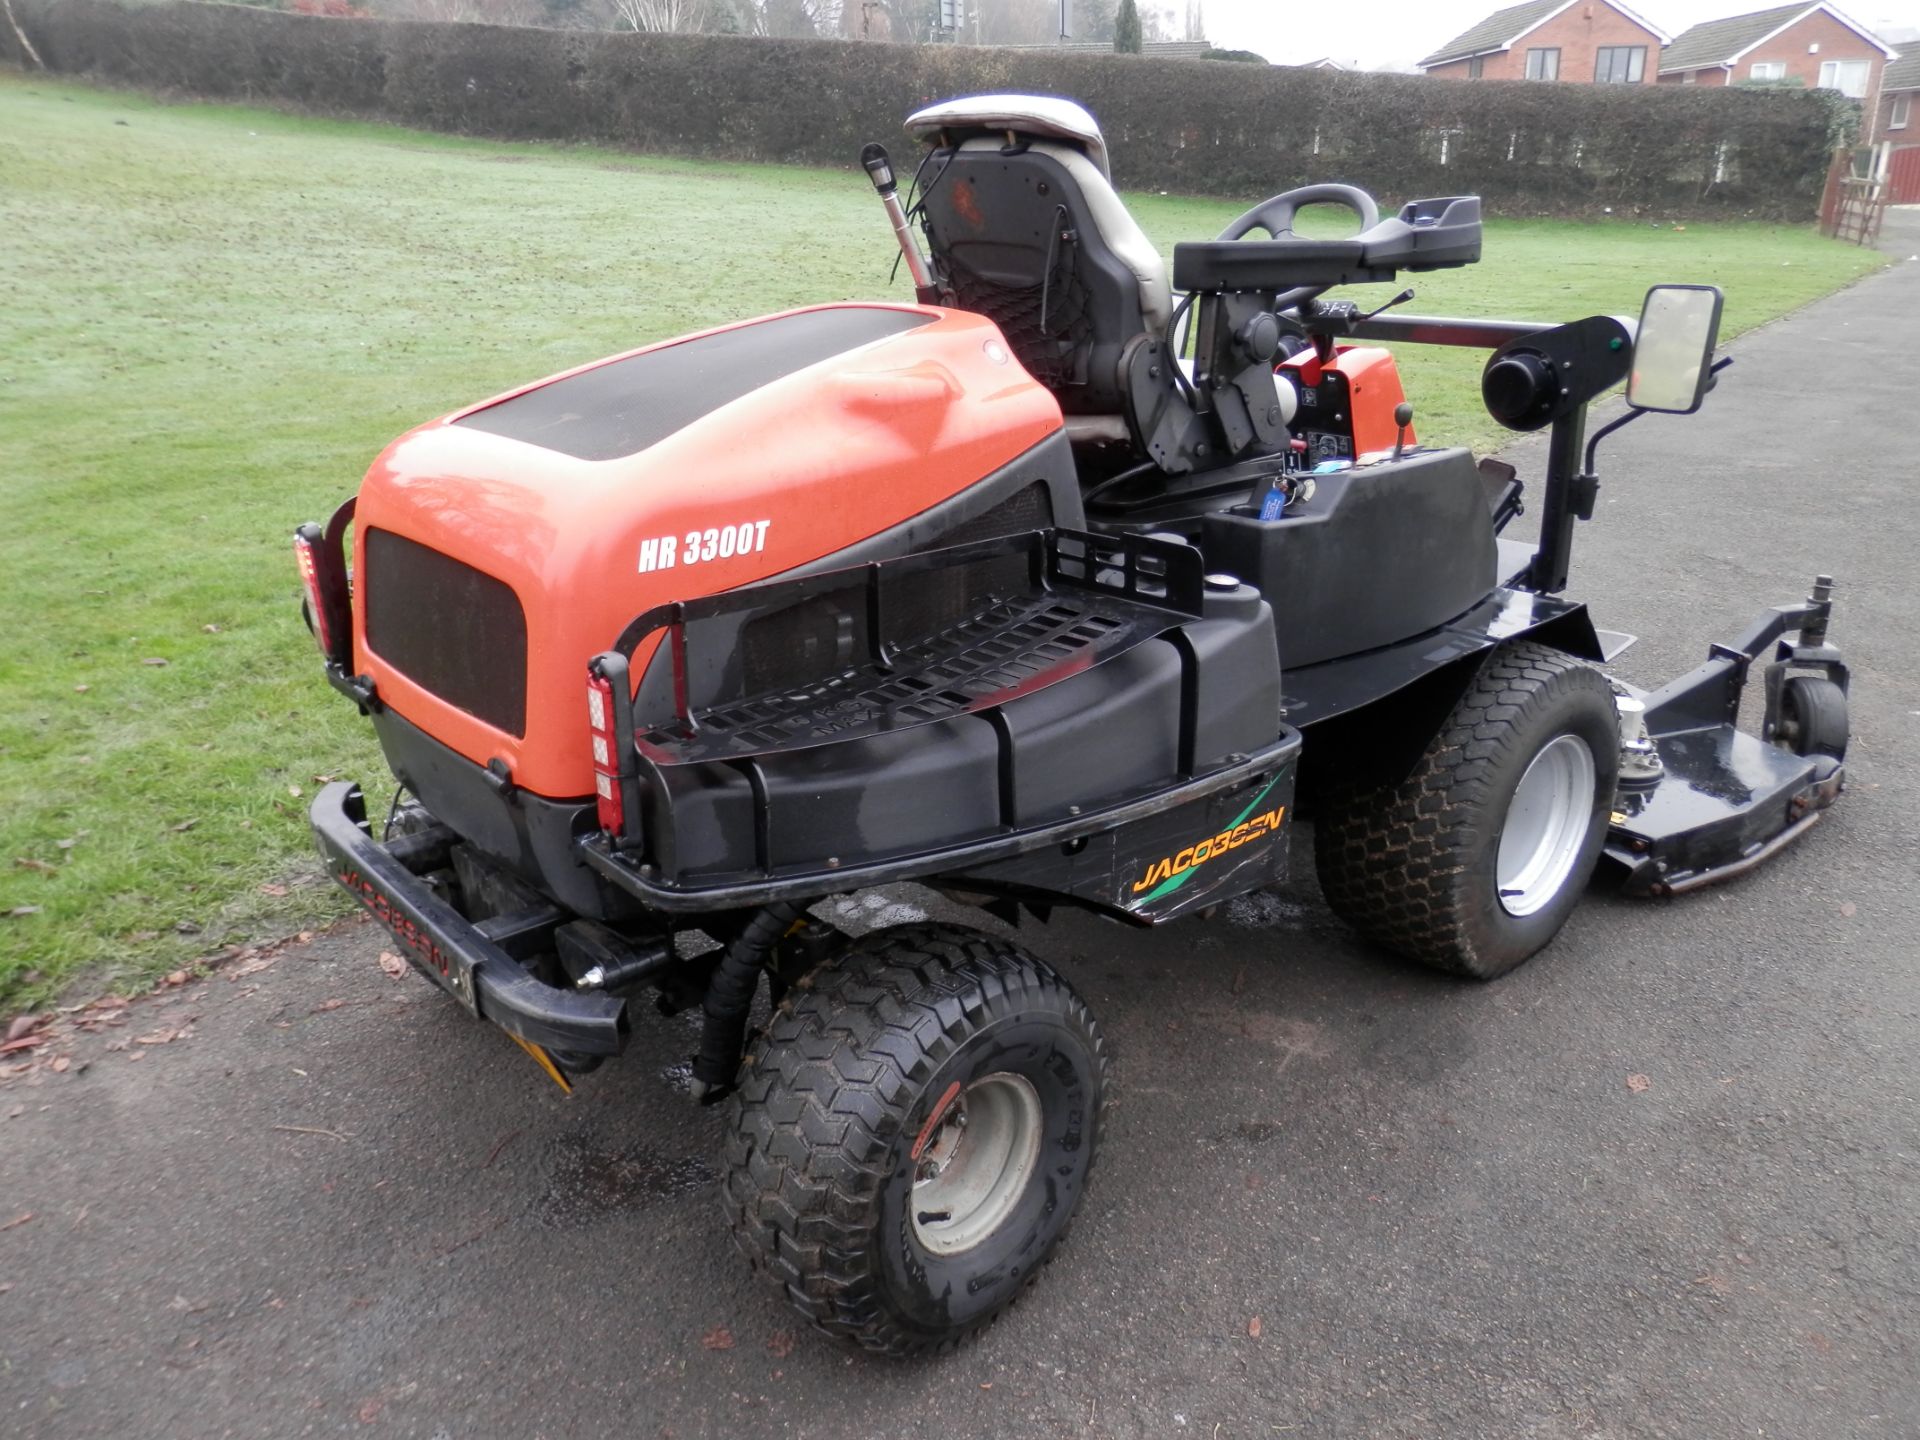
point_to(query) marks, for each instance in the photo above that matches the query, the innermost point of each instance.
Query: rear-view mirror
(1673, 352)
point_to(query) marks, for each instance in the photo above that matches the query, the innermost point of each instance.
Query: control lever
(879, 168)
(1402, 418)
(1400, 299)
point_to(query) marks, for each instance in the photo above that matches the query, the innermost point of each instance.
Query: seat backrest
(1026, 229)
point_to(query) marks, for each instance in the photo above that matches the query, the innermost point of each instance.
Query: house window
(1902, 109)
(1543, 64)
(1619, 64)
(1476, 66)
(1849, 77)
(1768, 70)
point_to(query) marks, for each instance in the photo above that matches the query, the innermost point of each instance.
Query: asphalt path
(1660, 1182)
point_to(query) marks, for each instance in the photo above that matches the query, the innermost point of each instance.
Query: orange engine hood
(792, 464)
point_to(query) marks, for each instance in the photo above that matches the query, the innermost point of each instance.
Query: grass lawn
(212, 317)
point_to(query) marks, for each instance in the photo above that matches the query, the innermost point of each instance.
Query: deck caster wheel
(912, 1134)
(1474, 861)
(1813, 717)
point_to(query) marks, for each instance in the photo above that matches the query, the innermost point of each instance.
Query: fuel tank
(498, 548)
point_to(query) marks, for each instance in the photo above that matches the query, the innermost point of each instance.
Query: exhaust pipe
(879, 169)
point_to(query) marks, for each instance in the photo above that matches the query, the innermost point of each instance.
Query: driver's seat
(1026, 229)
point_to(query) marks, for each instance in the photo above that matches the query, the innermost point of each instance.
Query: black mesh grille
(1030, 508)
(450, 629)
(796, 646)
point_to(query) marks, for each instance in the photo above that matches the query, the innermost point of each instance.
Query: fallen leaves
(24, 1033)
(1639, 1084)
(1848, 909)
(1253, 1328)
(27, 862)
(325, 1005)
(157, 1037)
(392, 965)
(184, 825)
(718, 1338)
(272, 889)
(21, 1024)
(20, 912)
(155, 661)
(780, 1343)
(27, 1215)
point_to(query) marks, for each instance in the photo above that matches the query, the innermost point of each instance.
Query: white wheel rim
(1545, 825)
(976, 1163)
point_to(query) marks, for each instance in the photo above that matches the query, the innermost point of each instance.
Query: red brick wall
(1836, 42)
(1578, 31)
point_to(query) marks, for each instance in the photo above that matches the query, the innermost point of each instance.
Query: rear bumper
(451, 950)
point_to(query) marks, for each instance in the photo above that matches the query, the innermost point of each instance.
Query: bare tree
(662, 16)
(26, 45)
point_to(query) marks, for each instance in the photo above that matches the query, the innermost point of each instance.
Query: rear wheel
(1474, 861)
(913, 1134)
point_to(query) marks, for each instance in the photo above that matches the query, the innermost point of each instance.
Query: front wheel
(913, 1134)
(1474, 861)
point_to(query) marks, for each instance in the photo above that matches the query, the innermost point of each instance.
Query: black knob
(1260, 337)
(1403, 414)
(1516, 386)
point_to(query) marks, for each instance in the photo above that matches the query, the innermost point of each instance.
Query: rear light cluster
(606, 760)
(310, 582)
(323, 580)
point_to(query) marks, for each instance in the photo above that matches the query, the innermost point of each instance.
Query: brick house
(1582, 42)
(1812, 43)
(1896, 129)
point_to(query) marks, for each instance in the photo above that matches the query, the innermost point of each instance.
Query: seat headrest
(1047, 117)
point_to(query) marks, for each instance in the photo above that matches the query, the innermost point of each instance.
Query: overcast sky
(1382, 34)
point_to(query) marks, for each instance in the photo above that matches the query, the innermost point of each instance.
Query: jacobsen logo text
(1254, 827)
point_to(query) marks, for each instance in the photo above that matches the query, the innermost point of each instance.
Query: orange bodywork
(807, 465)
(1373, 383)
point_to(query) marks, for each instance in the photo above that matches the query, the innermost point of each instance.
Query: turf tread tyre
(830, 1086)
(1397, 862)
(1815, 711)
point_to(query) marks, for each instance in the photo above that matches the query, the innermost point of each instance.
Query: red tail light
(310, 582)
(606, 760)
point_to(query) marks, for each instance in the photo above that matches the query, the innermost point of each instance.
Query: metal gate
(1852, 206)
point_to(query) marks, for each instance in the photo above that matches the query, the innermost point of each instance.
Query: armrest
(1270, 264)
(1425, 235)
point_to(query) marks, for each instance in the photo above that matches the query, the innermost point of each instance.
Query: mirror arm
(1593, 441)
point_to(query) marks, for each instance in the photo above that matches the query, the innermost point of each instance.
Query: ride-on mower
(1069, 584)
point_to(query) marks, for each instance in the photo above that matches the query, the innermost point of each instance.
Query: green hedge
(1178, 125)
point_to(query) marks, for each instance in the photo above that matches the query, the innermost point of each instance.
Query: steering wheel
(1275, 215)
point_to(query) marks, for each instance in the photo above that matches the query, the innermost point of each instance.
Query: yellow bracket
(543, 1060)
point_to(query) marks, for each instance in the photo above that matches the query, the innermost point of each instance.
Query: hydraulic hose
(730, 998)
